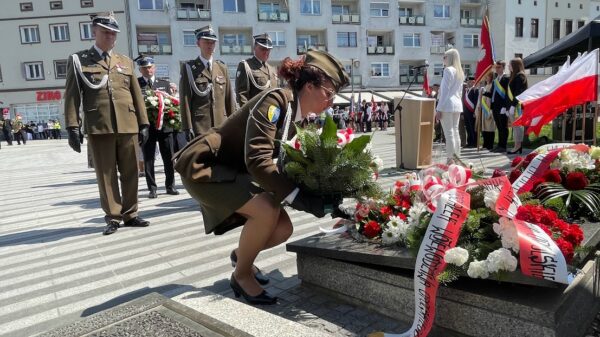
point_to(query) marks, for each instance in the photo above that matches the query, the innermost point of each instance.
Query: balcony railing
(406, 79)
(346, 18)
(193, 14)
(471, 22)
(301, 49)
(274, 16)
(380, 50)
(438, 49)
(155, 49)
(236, 50)
(415, 20)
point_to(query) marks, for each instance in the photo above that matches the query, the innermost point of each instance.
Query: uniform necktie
(208, 66)
(105, 56)
(150, 82)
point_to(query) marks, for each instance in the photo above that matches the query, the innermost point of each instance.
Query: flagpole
(583, 123)
(596, 110)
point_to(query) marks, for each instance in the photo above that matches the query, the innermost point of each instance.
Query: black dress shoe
(137, 222)
(152, 194)
(262, 298)
(111, 228)
(172, 191)
(259, 276)
(499, 149)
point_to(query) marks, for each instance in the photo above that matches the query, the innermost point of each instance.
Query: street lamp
(353, 63)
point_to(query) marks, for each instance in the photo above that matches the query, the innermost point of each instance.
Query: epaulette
(219, 61)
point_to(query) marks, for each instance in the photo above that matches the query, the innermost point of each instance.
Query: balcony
(302, 49)
(346, 19)
(155, 49)
(406, 79)
(153, 41)
(193, 14)
(438, 49)
(415, 20)
(236, 50)
(380, 50)
(470, 3)
(274, 16)
(471, 22)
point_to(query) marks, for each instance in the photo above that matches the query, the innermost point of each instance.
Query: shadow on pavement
(72, 183)
(85, 203)
(43, 235)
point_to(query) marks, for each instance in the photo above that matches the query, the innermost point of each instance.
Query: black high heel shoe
(259, 276)
(262, 298)
(519, 150)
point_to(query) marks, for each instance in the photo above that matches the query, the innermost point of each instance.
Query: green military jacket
(117, 106)
(253, 77)
(17, 126)
(206, 100)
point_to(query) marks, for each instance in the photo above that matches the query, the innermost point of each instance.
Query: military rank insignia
(273, 114)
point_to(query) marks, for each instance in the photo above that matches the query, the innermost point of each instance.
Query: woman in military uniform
(231, 171)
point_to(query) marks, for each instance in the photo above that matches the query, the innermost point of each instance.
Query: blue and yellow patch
(273, 114)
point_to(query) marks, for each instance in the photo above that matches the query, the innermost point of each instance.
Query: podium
(414, 132)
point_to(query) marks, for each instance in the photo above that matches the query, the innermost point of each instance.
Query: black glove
(309, 203)
(144, 135)
(75, 139)
(189, 135)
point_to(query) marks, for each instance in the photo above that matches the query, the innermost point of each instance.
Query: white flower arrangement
(456, 256)
(398, 225)
(507, 232)
(414, 213)
(478, 269)
(490, 198)
(501, 259)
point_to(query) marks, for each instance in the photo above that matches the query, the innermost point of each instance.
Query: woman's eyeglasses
(330, 93)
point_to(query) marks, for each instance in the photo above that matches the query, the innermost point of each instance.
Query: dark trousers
(488, 139)
(20, 136)
(502, 127)
(112, 152)
(165, 144)
(179, 140)
(8, 136)
(470, 128)
(368, 126)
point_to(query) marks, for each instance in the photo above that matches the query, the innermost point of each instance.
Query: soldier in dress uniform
(103, 84)
(7, 126)
(232, 173)
(206, 95)
(159, 131)
(18, 131)
(255, 75)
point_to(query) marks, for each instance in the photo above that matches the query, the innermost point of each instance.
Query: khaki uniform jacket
(117, 107)
(17, 126)
(243, 144)
(245, 88)
(202, 113)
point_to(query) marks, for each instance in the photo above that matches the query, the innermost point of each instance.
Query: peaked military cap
(206, 33)
(144, 61)
(331, 66)
(263, 40)
(106, 20)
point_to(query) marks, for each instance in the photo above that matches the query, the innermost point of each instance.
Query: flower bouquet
(332, 163)
(162, 109)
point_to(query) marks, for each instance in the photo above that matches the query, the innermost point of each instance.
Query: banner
(486, 51)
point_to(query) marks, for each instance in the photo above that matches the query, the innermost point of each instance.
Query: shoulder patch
(238, 73)
(273, 114)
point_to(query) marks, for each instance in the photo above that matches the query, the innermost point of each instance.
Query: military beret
(206, 33)
(106, 20)
(263, 40)
(144, 61)
(331, 66)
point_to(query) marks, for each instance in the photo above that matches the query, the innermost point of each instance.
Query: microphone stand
(399, 109)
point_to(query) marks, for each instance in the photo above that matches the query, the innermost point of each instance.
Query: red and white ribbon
(434, 186)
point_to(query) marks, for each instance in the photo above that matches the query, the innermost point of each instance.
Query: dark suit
(112, 116)
(164, 137)
(498, 102)
(469, 115)
(7, 130)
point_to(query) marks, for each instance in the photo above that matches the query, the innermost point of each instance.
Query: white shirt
(153, 79)
(206, 62)
(450, 94)
(290, 198)
(100, 51)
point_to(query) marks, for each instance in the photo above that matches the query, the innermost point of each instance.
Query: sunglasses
(330, 93)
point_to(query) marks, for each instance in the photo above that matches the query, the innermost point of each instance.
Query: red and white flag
(426, 88)
(486, 51)
(574, 84)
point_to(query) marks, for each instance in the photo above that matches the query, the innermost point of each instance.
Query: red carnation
(175, 101)
(566, 248)
(552, 176)
(401, 216)
(386, 211)
(574, 235)
(537, 183)
(371, 229)
(516, 161)
(498, 173)
(576, 181)
(514, 175)
(530, 156)
(171, 113)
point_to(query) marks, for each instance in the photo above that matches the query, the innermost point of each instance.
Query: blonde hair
(453, 59)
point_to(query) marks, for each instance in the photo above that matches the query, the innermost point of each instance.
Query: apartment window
(518, 27)
(519, 55)
(85, 31)
(59, 32)
(533, 71)
(534, 27)
(26, 6)
(569, 5)
(519, 2)
(380, 9)
(568, 27)
(238, 6)
(60, 69)
(403, 12)
(441, 11)
(412, 40)
(56, 5)
(30, 34)
(0, 74)
(535, 3)
(580, 6)
(467, 69)
(465, 13)
(307, 40)
(278, 38)
(340, 9)
(34, 70)
(346, 39)
(438, 69)
(380, 69)
(156, 5)
(556, 4)
(555, 30)
(234, 39)
(580, 23)
(310, 7)
(189, 38)
(471, 40)
(86, 3)
(268, 7)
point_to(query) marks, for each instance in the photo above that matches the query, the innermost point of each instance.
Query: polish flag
(486, 51)
(426, 88)
(574, 84)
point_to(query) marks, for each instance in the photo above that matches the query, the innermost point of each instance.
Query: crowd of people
(368, 117)
(16, 131)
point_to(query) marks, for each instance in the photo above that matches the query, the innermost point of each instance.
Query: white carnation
(172, 121)
(501, 259)
(154, 103)
(397, 225)
(456, 256)
(378, 162)
(167, 101)
(390, 236)
(508, 234)
(478, 269)
(490, 197)
(414, 213)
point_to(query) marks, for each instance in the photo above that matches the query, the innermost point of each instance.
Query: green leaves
(588, 197)
(329, 130)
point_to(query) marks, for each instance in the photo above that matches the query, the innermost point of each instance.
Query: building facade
(38, 37)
